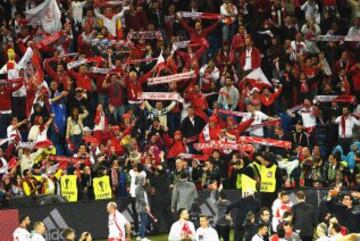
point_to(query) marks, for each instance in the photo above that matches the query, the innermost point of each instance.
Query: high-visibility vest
(102, 188)
(68, 187)
(268, 179)
(248, 185)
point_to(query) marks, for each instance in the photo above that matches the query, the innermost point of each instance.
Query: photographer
(69, 235)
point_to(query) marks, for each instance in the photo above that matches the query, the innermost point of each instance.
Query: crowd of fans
(78, 101)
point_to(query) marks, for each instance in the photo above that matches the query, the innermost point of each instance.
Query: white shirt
(350, 122)
(36, 135)
(21, 234)
(133, 176)
(5, 167)
(12, 132)
(308, 118)
(247, 65)
(214, 75)
(77, 10)
(206, 234)
(224, 12)
(257, 237)
(258, 119)
(176, 229)
(37, 237)
(117, 223)
(110, 24)
(101, 125)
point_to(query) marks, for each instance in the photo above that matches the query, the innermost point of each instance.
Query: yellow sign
(102, 188)
(68, 188)
(248, 185)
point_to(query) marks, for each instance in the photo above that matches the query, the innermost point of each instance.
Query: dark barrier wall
(91, 215)
(82, 216)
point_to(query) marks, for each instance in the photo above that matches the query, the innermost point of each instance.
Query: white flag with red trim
(47, 15)
(259, 76)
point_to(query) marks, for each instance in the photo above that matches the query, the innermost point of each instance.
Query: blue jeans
(144, 221)
(118, 112)
(228, 32)
(76, 140)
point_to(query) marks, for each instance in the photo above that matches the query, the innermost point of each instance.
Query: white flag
(258, 75)
(47, 14)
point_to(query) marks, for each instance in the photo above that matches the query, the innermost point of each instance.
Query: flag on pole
(47, 15)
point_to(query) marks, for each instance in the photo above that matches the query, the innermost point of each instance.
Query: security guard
(270, 179)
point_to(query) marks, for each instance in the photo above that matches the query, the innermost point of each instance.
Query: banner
(47, 15)
(68, 188)
(102, 188)
(266, 141)
(80, 62)
(219, 145)
(248, 185)
(144, 35)
(161, 96)
(171, 78)
(336, 98)
(202, 15)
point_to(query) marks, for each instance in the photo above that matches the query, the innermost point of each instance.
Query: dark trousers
(267, 198)
(135, 215)
(223, 232)
(306, 238)
(345, 143)
(238, 233)
(4, 123)
(18, 107)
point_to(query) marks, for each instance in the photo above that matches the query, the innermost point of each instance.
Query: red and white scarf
(224, 146)
(161, 96)
(77, 63)
(266, 141)
(202, 15)
(48, 40)
(336, 98)
(171, 78)
(144, 35)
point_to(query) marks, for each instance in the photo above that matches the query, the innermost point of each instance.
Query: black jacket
(190, 130)
(305, 218)
(348, 217)
(244, 205)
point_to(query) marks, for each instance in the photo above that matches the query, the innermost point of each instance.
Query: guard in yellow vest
(68, 186)
(102, 188)
(270, 179)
